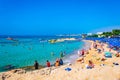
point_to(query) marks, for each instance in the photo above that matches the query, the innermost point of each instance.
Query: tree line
(113, 33)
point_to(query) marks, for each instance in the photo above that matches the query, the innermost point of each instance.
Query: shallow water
(27, 50)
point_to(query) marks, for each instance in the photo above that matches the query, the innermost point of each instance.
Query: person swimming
(52, 54)
(64, 53)
(9, 38)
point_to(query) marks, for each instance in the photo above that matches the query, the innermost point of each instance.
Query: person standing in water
(36, 65)
(79, 54)
(57, 63)
(48, 63)
(82, 52)
(61, 54)
(52, 54)
(64, 53)
(61, 62)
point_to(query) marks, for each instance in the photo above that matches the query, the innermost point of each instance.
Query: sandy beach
(78, 71)
(60, 40)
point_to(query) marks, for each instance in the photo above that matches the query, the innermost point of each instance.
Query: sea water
(25, 50)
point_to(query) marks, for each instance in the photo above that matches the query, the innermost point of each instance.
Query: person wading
(36, 65)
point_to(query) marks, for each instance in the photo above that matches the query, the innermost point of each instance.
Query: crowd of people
(57, 63)
(82, 53)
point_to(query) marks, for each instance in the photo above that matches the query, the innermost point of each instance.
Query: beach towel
(89, 67)
(68, 69)
(108, 54)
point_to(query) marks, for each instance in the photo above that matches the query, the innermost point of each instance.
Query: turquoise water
(27, 50)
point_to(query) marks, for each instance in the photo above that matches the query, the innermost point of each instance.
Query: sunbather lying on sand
(90, 65)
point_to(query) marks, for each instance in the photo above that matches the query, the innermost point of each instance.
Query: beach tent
(108, 54)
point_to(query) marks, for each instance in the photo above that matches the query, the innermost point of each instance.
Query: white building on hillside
(99, 34)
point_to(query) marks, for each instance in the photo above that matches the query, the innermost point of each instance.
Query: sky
(49, 17)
